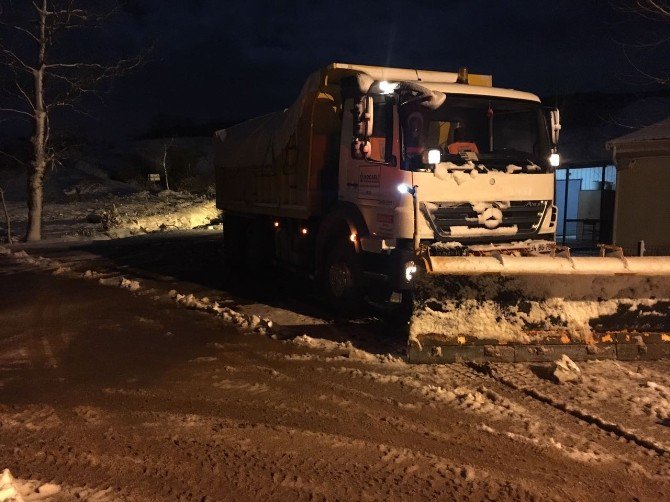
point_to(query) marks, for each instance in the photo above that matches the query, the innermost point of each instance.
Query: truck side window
(382, 130)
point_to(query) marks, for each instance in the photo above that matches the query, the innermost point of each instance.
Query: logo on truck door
(369, 181)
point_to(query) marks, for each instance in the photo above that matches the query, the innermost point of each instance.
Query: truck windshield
(496, 133)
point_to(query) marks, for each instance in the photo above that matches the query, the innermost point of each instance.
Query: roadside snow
(115, 216)
(252, 322)
(342, 351)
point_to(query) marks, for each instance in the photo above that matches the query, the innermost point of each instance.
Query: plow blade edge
(535, 308)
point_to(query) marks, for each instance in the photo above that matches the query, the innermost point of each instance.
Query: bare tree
(166, 147)
(654, 9)
(8, 221)
(42, 75)
(656, 13)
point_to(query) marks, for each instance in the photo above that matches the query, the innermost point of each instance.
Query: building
(587, 181)
(642, 212)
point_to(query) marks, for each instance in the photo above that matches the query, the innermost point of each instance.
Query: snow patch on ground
(168, 210)
(246, 321)
(106, 216)
(620, 408)
(479, 400)
(29, 490)
(8, 488)
(343, 350)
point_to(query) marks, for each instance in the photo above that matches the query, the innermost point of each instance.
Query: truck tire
(342, 280)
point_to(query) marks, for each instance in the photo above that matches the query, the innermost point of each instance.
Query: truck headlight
(387, 87)
(410, 270)
(434, 156)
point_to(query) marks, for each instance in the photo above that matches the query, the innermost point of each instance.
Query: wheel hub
(340, 278)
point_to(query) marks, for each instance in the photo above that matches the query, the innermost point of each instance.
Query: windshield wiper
(512, 154)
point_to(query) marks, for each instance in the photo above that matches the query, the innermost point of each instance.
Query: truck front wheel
(342, 280)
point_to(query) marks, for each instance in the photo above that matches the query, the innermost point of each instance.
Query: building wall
(642, 203)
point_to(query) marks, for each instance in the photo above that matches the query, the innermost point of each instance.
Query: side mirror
(363, 116)
(555, 120)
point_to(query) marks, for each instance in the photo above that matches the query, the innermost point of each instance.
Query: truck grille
(526, 215)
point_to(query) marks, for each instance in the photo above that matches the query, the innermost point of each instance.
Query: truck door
(363, 179)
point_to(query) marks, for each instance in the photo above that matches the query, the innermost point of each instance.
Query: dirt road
(114, 393)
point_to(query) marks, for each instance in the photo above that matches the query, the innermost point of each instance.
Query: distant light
(387, 87)
(276, 224)
(304, 231)
(434, 156)
(555, 160)
(410, 270)
(352, 237)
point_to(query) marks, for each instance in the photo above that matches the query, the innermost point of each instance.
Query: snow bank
(342, 350)
(115, 216)
(167, 211)
(252, 322)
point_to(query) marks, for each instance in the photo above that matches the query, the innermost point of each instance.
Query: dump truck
(433, 191)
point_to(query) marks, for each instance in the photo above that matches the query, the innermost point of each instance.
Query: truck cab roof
(481, 85)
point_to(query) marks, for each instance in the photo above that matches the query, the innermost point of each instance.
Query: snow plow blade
(535, 308)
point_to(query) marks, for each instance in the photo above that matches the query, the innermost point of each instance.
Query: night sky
(225, 61)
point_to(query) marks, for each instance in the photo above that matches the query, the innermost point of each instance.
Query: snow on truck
(433, 190)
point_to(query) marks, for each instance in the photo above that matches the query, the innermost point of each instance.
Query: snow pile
(565, 370)
(17, 490)
(524, 309)
(252, 322)
(166, 211)
(343, 350)
(23, 257)
(120, 282)
(657, 406)
(8, 491)
(129, 284)
(107, 215)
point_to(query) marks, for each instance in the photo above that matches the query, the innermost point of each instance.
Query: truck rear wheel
(342, 280)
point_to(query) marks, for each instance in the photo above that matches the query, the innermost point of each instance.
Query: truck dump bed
(275, 164)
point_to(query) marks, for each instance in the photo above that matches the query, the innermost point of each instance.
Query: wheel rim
(340, 279)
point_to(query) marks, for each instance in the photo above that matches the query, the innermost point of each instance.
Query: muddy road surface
(115, 384)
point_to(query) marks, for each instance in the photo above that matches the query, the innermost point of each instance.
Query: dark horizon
(221, 62)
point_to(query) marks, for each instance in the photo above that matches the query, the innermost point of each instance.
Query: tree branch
(12, 110)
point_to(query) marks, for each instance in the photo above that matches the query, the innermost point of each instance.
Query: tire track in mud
(242, 453)
(529, 420)
(541, 392)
